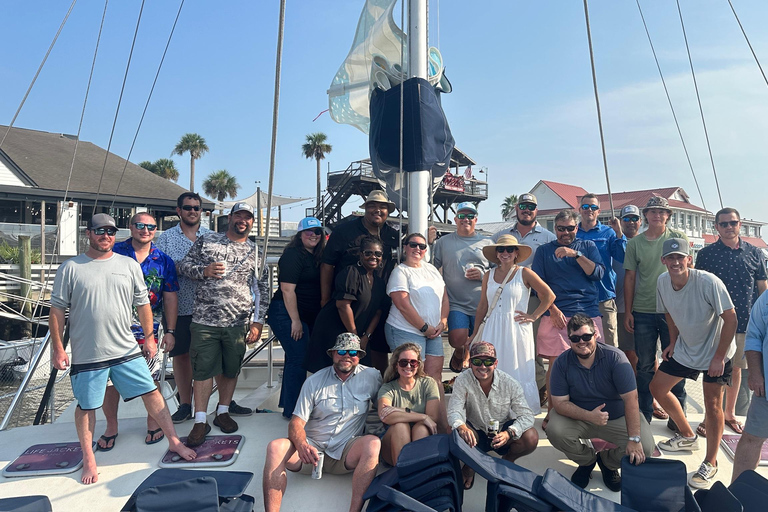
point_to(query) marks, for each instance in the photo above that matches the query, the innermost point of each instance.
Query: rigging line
(402, 101)
(669, 100)
(39, 69)
(146, 105)
(117, 111)
(597, 103)
(701, 110)
(748, 43)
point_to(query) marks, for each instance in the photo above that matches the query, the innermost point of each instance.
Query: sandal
(735, 425)
(545, 422)
(152, 434)
(660, 413)
(468, 483)
(701, 430)
(456, 368)
(107, 440)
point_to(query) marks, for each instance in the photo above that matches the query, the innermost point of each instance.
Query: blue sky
(522, 102)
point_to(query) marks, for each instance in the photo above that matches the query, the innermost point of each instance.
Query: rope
(698, 99)
(117, 111)
(748, 43)
(39, 69)
(597, 103)
(669, 100)
(146, 105)
(402, 101)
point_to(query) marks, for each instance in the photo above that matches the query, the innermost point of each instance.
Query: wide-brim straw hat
(347, 341)
(378, 196)
(523, 251)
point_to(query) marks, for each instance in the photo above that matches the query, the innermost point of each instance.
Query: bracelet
(171, 331)
(365, 334)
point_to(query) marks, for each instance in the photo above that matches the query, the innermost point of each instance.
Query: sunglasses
(314, 231)
(142, 225)
(730, 223)
(189, 208)
(105, 231)
(631, 218)
(527, 206)
(575, 338)
(563, 229)
(376, 254)
(506, 249)
(482, 361)
(470, 216)
(414, 245)
(350, 353)
(593, 207)
(404, 363)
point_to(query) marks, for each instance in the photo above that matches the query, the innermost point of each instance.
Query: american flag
(468, 173)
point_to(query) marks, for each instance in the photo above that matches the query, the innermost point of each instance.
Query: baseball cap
(657, 202)
(675, 246)
(527, 198)
(482, 349)
(102, 220)
(466, 205)
(309, 223)
(630, 209)
(240, 207)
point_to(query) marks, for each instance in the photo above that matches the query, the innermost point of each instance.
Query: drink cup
(317, 471)
(493, 428)
(469, 267)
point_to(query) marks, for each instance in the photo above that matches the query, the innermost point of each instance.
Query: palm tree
(220, 184)
(166, 168)
(316, 148)
(146, 164)
(508, 206)
(195, 145)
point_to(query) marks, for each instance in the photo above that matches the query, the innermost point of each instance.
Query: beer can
(317, 471)
(493, 427)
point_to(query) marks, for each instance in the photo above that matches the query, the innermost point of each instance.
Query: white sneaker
(679, 443)
(703, 477)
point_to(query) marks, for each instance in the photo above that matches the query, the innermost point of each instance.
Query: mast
(418, 181)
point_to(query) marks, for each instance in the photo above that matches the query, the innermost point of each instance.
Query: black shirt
(343, 247)
(297, 266)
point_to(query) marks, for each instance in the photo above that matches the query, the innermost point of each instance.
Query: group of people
(593, 300)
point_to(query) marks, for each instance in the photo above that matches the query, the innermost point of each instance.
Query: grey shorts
(626, 338)
(757, 417)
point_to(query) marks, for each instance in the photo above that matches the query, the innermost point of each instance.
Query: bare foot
(185, 452)
(90, 472)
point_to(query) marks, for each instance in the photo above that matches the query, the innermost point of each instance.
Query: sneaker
(239, 410)
(225, 423)
(197, 436)
(703, 477)
(182, 414)
(582, 475)
(679, 443)
(611, 477)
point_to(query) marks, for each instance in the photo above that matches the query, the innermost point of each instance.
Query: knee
(277, 450)
(371, 447)
(529, 440)
(400, 431)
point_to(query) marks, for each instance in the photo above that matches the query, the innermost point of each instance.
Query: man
(571, 268)
(331, 426)
(750, 445)
(595, 396)
(228, 299)
(486, 394)
(100, 288)
(460, 257)
(611, 244)
(162, 285)
(741, 266)
(343, 250)
(176, 243)
(702, 323)
(643, 266)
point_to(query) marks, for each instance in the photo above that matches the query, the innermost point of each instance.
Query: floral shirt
(159, 273)
(175, 244)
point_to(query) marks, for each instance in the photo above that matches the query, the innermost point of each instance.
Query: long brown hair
(391, 373)
(317, 252)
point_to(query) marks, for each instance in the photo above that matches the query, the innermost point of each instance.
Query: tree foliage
(163, 167)
(195, 145)
(316, 148)
(220, 184)
(508, 207)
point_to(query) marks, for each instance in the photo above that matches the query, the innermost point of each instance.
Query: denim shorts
(131, 378)
(397, 337)
(459, 320)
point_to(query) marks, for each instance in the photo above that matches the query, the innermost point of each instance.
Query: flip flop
(701, 430)
(660, 413)
(735, 425)
(107, 440)
(454, 368)
(152, 434)
(468, 483)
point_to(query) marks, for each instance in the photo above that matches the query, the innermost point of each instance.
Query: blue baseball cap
(309, 223)
(466, 205)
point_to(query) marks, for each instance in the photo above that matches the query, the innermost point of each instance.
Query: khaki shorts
(738, 359)
(216, 351)
(608, 310)
(333, 466)
(626, 338)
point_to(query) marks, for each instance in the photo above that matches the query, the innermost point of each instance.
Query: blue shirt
(756, 338)
(611, 248)
(575, 291)
(159, 272)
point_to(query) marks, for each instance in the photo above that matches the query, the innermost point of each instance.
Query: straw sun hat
(523, 251)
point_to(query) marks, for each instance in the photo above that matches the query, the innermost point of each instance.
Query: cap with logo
(675, 246)
(102, 220)
(527, 199)
(241, 206)
(630, 209)
(466, 205)
(309, 223)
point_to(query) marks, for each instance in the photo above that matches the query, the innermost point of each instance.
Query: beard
(188, 223)
(526, 222)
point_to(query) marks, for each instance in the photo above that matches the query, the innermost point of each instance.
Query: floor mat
(216, 451)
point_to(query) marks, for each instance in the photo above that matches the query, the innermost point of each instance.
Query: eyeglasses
(630, 218)
(142, 225)
(414, 245)
(593, 207)
(563, 229)
(313, 231)
(104, 231)
(575, 338)
(506, 249)
(376, 254)
(470, 216)
(527, 206)
(482, 361)
(189, 208)
(404, 363)
(350, 353)
(729, 223)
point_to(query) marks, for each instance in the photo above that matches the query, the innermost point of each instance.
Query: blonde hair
(391, 373)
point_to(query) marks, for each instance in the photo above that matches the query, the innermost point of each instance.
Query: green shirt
(644, 257)
(416, 399)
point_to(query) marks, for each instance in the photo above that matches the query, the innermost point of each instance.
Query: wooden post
(25, 272)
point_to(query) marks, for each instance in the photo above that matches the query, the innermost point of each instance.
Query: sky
(522, 104)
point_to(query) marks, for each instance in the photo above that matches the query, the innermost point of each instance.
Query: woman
(408, 402)
(509, 327)
(355, 305)
(296, 303)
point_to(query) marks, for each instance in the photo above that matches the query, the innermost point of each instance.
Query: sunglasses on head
(527, 206)
(350, 353)
(593, 207)
(377, 254)
(506, 248)
(142, 225)
(414, 245)
(482, 361)
(105, 231)
(404, 363)
(575, 338)
(563, 229)
(630, 218)
(314, 231)
(189, 208)
(470, 216)
(731, 223)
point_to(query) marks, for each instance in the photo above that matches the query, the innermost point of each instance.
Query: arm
(391, 415)
(632, 417)
(445, 307)
(762, 285)
(347, 316)
(298, 436)
(192, 265)
(586, 264)
(482, 308)
(544, 292)
(326, 282)
(171, 312)
(402, 302)
(524, 418)
(727, 333)
(56, 327)
(565, 407)
(457, 413)
(756, 379)
(291, 305)
(673, 334)
(753, 347)
(366, 337)
(629, 298)
(146, 320)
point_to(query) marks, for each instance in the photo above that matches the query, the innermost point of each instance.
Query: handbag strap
(496, 296)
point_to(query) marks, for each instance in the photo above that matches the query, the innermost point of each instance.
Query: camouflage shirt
(226, 301)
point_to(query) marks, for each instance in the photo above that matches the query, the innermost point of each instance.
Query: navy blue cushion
(395, 497)
(663, 482)
(509, 497)
(492, 469)
(751, 490)
(198, 494)
(423, 453)
(26, 504)
(565, 495)
(431, 487)
(414, 480)
(717, 499)
(389, 478)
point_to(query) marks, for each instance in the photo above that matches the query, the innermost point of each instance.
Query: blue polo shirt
(756, 338)
(609, 377)
(575, 291)
(611, 248)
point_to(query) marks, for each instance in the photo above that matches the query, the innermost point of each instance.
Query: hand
(168, 342)
(635, 453)
(430, 424)
(150, 347)
(215, 270)
(323, 302)
(474, 274)
(500, 439)
(431, 234)
(756, 383)
(254, 333)
(434, 332)
(557, 316)
(616, 227)
(468, 435)
(60, 359)
(364, 341)
(629, 322)
(599, 416)
(668, 352)
(524, 318)
(297, 330)
(308, 454)
(716, 366)
(565, 252)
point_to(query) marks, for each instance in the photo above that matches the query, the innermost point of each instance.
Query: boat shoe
(197, 436)
(225, 423)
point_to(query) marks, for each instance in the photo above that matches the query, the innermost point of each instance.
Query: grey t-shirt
(454, 253)
(696, 310)
(100, 295)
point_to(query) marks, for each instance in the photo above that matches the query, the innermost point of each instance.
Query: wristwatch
(634, 439)
(579, 254)
(170, 331)
(407, 409)
(424, 327)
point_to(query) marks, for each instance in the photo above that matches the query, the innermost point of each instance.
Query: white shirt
(425, 288)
